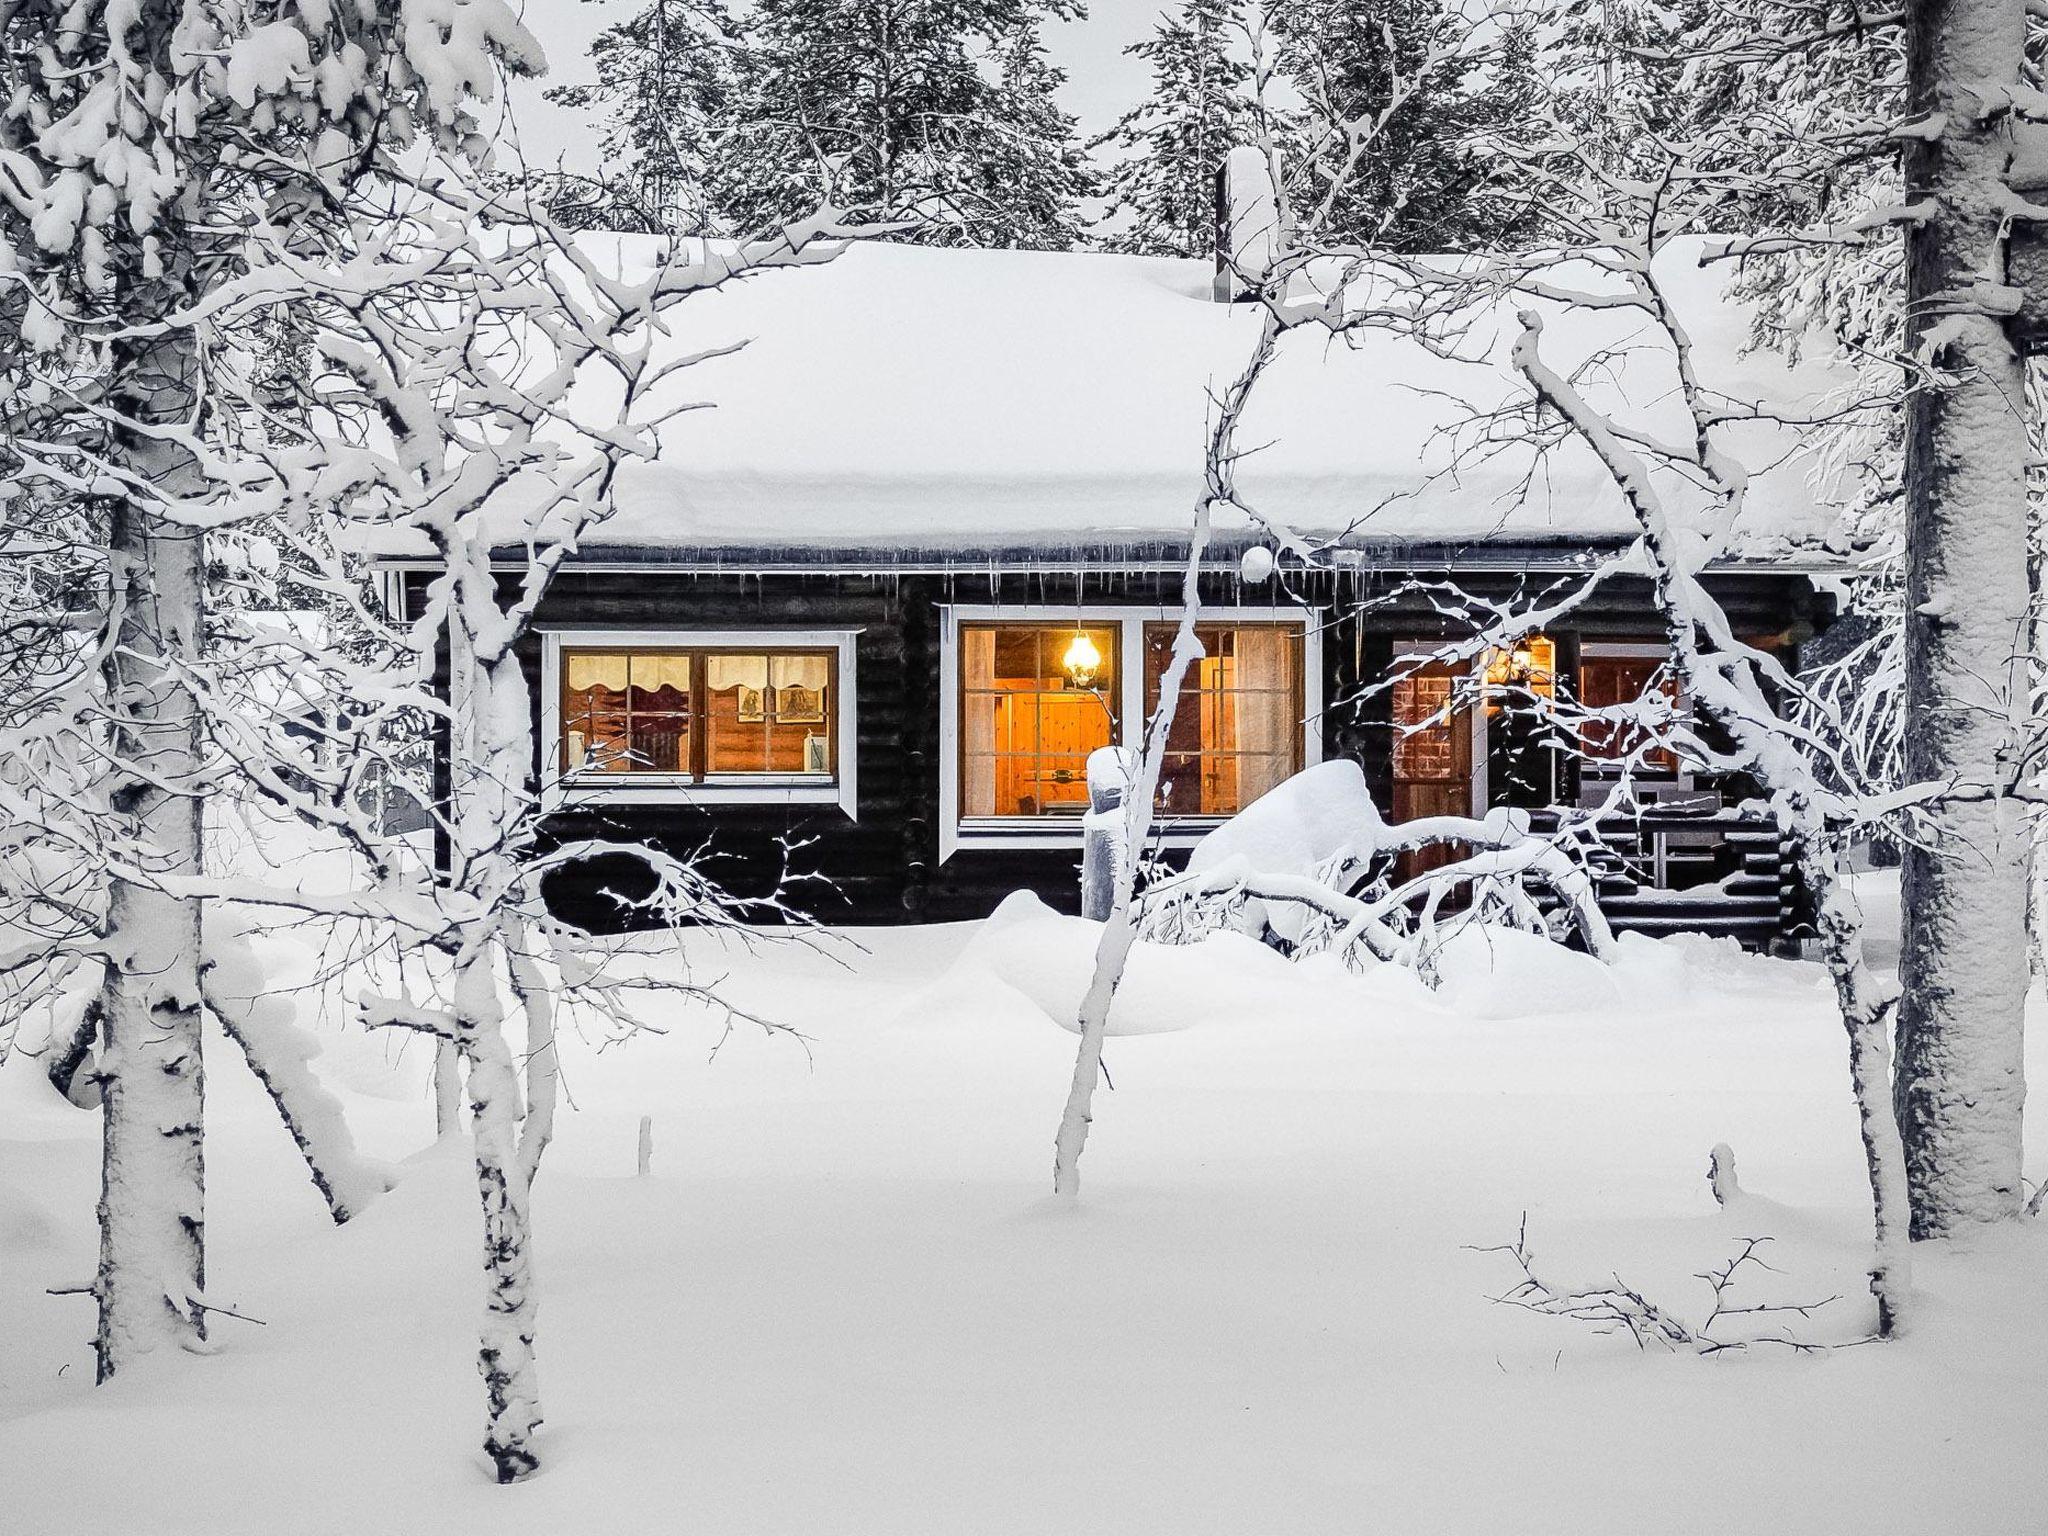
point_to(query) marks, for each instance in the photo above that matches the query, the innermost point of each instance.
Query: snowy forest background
(281, 291)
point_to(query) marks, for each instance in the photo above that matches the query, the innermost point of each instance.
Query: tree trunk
(505, 1358)
(492, 790)
(1866, 1015)
(1959, 1088)
(1113, 948)
(152, 1267)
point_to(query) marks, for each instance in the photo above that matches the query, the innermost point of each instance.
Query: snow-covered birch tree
(1299, 271)
(1970, 146)
(138, 141)
(467, 378)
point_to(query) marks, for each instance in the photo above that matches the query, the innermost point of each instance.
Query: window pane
(1035, 700)
(768, 712)
(1237, 726)
(661, 742)
(1608, 681)
(596, 728)
(800, 714)
(634, 711)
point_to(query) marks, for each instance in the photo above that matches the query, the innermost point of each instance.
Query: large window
(1237, 727)
(1035, 700)
(1031, 698)
(699, 714)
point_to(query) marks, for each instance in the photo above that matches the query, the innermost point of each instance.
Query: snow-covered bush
(1313, 867)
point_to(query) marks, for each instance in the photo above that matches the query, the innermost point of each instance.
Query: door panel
(1432, 763)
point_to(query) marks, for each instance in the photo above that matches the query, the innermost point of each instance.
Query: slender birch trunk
(152, 1267)
(1731, 699)
(505, 1355)
(1959, 1089)
(491, 790)
(1113, 949)
(1866, 1015)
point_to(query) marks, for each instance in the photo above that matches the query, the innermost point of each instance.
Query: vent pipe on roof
(1247, 224)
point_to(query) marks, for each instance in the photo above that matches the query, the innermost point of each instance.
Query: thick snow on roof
(903, 399)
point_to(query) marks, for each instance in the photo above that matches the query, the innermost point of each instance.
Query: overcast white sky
(1101, 83)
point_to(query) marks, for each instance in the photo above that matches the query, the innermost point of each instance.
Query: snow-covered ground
(844, 1303)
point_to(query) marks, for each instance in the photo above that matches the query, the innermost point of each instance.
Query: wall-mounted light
(1082, 661)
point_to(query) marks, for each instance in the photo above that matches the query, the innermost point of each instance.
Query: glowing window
(699, 713)
(1237, 727)
(1035, 700)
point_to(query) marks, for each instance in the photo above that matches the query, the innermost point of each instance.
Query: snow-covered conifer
(1420, 180)
(1160, 190)
(663, 88)
(935, 115)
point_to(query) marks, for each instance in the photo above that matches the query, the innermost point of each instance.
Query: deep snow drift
(843, 1302)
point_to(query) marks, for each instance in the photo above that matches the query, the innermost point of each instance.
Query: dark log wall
(884, 866)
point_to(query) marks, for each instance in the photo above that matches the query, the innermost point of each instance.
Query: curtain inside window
(723, 672)
(978, 708)
(1267, 725)
(595, 669)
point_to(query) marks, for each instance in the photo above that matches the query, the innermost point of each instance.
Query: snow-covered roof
(910, 400)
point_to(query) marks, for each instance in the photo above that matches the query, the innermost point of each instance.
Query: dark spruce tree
(662, 94)
(1160, 192)
(934, 115)
(1424, 182)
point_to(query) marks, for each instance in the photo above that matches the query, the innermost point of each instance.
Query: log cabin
(865, 617)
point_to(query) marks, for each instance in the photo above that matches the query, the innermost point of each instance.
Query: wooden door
(1432, 762)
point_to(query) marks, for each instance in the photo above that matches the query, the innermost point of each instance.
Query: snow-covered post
(1103, 849)
(1963, 965)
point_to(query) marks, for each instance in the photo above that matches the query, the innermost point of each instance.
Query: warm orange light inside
(1531, 663)
(1082, 661)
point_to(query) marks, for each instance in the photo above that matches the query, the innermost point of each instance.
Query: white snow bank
(1489, 972)
(1050, 958)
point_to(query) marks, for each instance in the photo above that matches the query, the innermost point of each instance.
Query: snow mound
(1301, 825)
(1490, 972)
(1050, 958)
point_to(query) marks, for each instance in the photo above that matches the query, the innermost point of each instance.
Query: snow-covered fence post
(1105, 828)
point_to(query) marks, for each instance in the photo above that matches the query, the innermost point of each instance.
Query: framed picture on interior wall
(797, 705)
(817, 754)
(750, 710)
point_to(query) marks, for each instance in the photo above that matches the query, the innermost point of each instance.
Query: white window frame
(564, 790)
(956, 833)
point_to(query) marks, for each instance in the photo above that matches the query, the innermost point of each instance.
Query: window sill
(1052, 833)
(664, 789)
